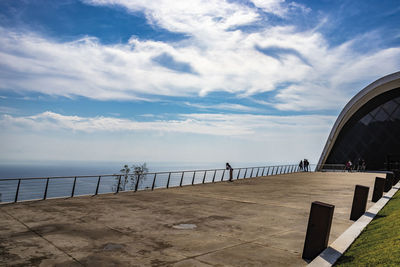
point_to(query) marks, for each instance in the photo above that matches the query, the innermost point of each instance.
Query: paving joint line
(47, 240)
(235, 200)
(213, 251)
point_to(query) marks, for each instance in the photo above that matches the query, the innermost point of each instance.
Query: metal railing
(329, 167)
(41, 188)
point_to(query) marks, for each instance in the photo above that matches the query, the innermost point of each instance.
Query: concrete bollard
(396, 176)
(318, 229)
(378, 189)
(388, 182)
(359, 202)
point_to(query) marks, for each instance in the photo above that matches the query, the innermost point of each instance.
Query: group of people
(361, 165)
(304, 165)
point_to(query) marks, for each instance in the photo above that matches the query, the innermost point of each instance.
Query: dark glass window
(372, 134)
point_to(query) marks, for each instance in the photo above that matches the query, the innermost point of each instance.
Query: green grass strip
(379, 242)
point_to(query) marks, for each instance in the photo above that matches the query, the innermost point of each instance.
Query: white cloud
(244, 125)
(279, 7)
(222, 58)
(195, 17)
(224, 106)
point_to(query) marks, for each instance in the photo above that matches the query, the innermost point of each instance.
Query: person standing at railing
(301, 165)
(306, 164)
(229, 167)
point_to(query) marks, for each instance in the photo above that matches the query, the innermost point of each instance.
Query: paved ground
(252, 222)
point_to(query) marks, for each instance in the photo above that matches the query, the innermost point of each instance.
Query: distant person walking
(359, 165)
(301, 165)
(349, 166)
(229, 167)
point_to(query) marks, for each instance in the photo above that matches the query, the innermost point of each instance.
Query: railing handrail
(117, 174)
(250, 172)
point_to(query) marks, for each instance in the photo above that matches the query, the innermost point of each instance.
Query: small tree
(138, 175)
(124, 181)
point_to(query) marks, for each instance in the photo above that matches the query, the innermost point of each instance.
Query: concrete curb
(331, 254)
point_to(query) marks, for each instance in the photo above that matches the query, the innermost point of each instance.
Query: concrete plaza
(251, 222)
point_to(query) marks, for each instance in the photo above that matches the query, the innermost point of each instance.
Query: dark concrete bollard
(388, 182)
(359, 202)
(396, 176)
(318, 229)
(378, 189)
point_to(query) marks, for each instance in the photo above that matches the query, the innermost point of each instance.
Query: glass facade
(371, 135)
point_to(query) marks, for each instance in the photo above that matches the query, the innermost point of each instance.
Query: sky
(245, 81)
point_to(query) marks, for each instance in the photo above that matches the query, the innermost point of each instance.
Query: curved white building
(368, 128)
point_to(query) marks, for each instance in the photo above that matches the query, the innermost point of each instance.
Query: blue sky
(206, 81)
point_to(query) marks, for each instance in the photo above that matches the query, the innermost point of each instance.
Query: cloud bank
(237, 125)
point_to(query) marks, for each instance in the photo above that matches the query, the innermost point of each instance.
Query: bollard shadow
(370, 214)
(330, 255)
(374, 215)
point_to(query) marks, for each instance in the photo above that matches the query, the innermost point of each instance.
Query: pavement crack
(44, 238)
(213, 251)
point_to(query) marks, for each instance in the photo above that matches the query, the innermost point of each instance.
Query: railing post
(97, 186)
(215, 172)
(169, 178)
(244, 177)
(258, 169)
(194, 175)
(45, 190)
(238, 174)
(73, 188)
(17, 192)
(154, 181)
(277, 169)
(223, 174)
(263, 172)
(119, 183)
(251, 174)
(268, 171)
(137, 182)
(180, 184)
(204, 177)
